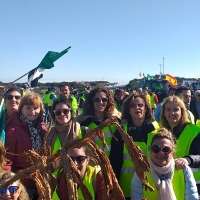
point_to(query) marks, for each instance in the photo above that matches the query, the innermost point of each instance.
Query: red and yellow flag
(171, 80)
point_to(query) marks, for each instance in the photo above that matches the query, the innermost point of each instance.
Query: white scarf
(165, 189)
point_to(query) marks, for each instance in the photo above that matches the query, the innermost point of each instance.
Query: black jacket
(194, 110)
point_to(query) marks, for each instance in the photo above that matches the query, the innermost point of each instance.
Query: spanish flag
(171, 80)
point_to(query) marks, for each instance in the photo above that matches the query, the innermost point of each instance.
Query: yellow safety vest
(89, 181)
(108, 138)
(183, 146)
(23, 92)
(198, 122)
(81, 109)
(45, 98)
(50, 101)
(178, 183)
(127, 170)
(74, 104)
(153, 103)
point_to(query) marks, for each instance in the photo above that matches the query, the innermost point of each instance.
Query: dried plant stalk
(41, 174)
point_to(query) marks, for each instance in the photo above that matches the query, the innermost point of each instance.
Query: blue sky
(111, 40)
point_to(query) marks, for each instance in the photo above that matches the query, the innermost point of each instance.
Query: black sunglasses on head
(79, 159)
(11, 189)
(96, 100)
(64, 111)
(156, 149)
(10, 97)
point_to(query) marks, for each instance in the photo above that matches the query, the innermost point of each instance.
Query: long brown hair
(126, 107)
(88, 106)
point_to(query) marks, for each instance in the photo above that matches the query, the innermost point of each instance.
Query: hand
(181, 163)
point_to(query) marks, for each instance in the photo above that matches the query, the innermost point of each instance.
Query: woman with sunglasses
(66, 128)
(99, 106)
(15, 191)
(91, 177)
(168, 182)
(174, 117)
(141, 126)
(24, 131)
(12, 99)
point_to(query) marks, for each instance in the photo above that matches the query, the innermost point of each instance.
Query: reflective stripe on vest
(108, 137)
(183, 145)
(127, 174)
(178, 183)
(89, 181)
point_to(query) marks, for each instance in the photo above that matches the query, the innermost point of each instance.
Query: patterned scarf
(34, 128)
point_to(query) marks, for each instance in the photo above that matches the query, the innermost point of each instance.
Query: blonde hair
(180, 103)
(32, 99)
(164, 133)
(8, 175)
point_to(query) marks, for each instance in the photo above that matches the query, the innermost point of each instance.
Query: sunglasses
(64, 111)
(156, 149)
(10, 97)
(140, 105)
(11, 189)
(96, 100)
(198, 95)
(79, 159)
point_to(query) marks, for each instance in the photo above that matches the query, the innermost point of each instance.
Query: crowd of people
(168, 133)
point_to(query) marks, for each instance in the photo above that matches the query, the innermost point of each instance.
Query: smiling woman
(64, 130)
(24, 131)
(15, 191)
(168, 182)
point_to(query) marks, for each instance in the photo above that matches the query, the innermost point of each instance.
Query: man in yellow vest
(65, 93)
(119, 97)
(51, 97)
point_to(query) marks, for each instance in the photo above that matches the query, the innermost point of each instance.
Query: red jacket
(18, 141)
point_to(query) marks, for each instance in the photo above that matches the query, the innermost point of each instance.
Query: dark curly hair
(88, 106)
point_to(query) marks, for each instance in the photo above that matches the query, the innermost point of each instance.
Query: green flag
(149, 77)
(47, 63)
(49, 59)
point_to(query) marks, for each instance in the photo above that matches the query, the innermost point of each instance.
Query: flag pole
(22, 76)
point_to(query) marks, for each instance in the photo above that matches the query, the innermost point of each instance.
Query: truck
(158, 86)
